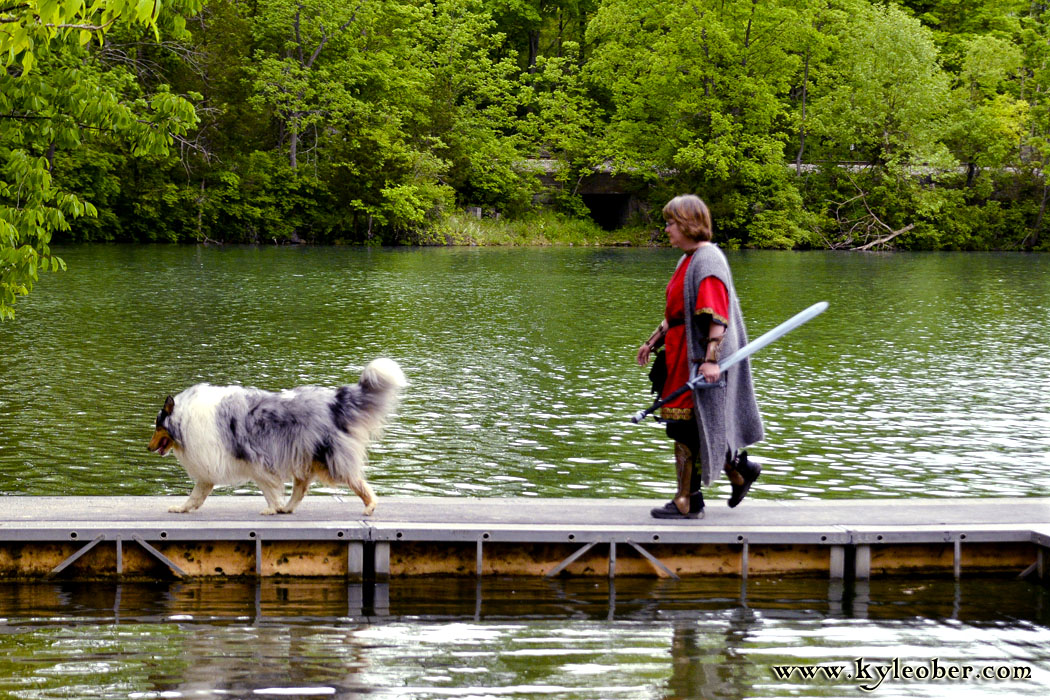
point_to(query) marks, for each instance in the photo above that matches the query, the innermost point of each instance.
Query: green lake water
(566, 639)
(927, 376)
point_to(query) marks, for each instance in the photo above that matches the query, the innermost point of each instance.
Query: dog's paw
(178, 509)
(268, 511)
(369, 509)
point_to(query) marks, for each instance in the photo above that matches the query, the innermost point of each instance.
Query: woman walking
(702, 322)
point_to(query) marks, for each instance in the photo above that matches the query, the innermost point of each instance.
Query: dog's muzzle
(161, 443)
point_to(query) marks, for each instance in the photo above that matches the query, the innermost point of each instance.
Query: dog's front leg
(301, 486)
(273, 494)
(200, 491)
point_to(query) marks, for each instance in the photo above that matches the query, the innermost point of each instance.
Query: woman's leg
(688, 501)
(742, 473)
(688, 477)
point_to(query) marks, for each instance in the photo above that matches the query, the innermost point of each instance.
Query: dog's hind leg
(200, 491)
(359, 486)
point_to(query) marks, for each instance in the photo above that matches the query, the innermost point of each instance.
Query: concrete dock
(136, 536)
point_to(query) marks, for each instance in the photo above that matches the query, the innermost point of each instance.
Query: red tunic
(713, 300)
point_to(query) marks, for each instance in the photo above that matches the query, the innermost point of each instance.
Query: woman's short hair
(691, 215)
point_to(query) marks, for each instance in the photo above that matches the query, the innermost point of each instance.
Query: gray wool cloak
(727, 416)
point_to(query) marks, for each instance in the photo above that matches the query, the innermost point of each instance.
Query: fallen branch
(885, 239)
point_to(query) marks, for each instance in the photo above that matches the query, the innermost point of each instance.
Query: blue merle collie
(225, 435)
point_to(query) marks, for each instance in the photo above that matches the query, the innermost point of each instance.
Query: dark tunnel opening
(609, 211)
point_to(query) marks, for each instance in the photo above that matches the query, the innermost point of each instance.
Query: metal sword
(744, 352)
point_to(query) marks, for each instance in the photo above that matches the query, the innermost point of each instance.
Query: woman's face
(677, 238)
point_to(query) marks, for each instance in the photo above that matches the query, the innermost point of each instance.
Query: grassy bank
(538, 229)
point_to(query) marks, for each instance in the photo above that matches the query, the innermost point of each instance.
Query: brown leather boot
(687, 503)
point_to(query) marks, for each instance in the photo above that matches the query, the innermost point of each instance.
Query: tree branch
(325, 37)
(885, 239)
(23, 117)
(298, 34)
(86, 27)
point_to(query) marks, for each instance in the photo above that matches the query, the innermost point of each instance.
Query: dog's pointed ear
(169, 405)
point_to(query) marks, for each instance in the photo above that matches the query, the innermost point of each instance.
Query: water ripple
(521, 366)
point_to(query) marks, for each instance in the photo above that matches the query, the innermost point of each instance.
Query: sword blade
(750, 349)
(768, 337)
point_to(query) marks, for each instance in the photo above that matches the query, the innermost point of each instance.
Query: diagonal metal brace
(155, 552)
(76, 555)
(576, 555)
(655, 562)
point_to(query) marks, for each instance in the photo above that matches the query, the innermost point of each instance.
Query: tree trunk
(747, 33)
(561, 30)
(802, 127)
(1032, 239)
(200, 213)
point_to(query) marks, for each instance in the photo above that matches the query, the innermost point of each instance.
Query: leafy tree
(886, 100)
(882, 104)
(51, 94)
(471, 118)
(954, 23)
(987, 123)
(520, 21)
(535, 28)
(817, 39)
(398, 106)
(695, 93)
(559, 123)
(1034, 38)
(303, 89)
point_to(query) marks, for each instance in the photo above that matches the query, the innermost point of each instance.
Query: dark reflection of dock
(321, 600)
(83, 537)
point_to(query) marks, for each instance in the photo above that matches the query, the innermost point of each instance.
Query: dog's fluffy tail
(360, 412)
(382, 375)
(368, 404)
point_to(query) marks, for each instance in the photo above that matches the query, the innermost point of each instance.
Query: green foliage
(51, 94)
(398, 106)
(954, 23)
(558, 125)
(886, 99)
(834, 123)
(536, 229)
(698, 89)
(470, 120)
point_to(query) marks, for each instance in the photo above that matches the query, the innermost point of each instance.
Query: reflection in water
(568, 638)
(521, 366)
